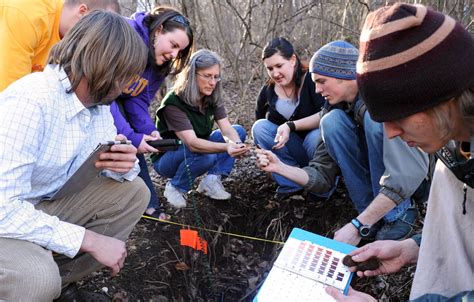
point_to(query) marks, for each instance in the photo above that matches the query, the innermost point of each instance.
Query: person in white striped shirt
(50, 122)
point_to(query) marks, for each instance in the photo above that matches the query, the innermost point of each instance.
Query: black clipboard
(86, 172)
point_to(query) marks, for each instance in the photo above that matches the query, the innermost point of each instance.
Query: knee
(241, 132)
(371, 127)
(38, 280)
(208, 160)
(141, 194)
(260, 129)
(332, 122)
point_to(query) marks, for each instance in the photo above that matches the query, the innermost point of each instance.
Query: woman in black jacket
(287, 118)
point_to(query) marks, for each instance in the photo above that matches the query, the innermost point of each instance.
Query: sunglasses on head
(181, 20)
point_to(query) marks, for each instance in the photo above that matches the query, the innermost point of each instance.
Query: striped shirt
(46, 134)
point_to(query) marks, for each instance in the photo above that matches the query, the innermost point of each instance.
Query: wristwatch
(364, 229)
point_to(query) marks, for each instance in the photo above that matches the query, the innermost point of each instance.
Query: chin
(430, 148)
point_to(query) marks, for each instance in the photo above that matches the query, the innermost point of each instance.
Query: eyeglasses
(181, 20)
(209, 77)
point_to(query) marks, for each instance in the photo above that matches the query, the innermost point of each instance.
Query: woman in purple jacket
(169, 38)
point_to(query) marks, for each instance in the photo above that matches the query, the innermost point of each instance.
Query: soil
(158, 268)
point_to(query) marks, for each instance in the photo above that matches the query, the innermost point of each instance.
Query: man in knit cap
(373, 167)
(416, 75)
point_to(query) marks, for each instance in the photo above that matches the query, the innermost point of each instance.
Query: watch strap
(356, 223)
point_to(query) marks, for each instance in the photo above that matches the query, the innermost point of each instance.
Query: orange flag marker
(191, 238)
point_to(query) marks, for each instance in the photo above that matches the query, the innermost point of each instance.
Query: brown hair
(103, 49)
(443, 114)
(284, 48)
(466, 103)
(167, 19)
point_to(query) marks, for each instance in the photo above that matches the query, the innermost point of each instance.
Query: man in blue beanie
(381, 175)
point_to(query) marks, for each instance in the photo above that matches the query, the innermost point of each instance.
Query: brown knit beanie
(412, 58)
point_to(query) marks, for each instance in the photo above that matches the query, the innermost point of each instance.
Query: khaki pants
(28, 272)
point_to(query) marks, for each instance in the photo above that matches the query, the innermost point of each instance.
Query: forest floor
(158, 268)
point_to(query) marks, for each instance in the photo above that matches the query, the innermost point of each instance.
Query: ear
(83, 9)
(293, 60)
(158, 31)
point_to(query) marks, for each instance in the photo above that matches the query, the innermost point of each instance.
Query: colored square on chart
(307, 264)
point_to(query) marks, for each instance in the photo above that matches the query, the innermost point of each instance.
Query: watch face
(364, 231)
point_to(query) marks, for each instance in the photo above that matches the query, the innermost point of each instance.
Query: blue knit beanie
(337, 59)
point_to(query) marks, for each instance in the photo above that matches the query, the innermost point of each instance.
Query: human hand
(237, 150)
(144, 147)
(120, 158)
(282, 136)
(108, 251)
(156, 135)
(267, 160)
(391, 254)
(348, 234)
(352, 295)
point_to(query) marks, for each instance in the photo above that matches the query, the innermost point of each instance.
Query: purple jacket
(137, 97)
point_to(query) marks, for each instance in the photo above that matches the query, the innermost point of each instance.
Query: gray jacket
(405, 169)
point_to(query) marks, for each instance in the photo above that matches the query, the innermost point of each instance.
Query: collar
(73, 105)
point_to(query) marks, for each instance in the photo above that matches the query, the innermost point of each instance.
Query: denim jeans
(183, 166)
(297, 151)
(359, 153)
(145, 175)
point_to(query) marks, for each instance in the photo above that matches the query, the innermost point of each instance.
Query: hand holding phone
(120, 157)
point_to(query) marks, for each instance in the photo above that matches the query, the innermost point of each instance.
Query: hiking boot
(72, 293)
(212, 187)
(399, 229)
(174, 196)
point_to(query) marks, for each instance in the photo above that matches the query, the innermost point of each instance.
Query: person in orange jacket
(28, 30)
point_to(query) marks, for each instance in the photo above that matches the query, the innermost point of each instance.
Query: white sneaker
(211, 186)
(174, 196)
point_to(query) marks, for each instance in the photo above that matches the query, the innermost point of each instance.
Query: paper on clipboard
(86, 172)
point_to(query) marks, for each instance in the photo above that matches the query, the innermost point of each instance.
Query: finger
(335, 293)
(115, 270)
(119, 167)
(117, 156)
(263, 162)
(363, 254)
(277, 138)
(120, 137)
(371, 273)
(151, 149)
(279, 145)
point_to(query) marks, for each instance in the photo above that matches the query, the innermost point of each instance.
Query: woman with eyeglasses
(169, 38)
(188, 113)
(287, 119)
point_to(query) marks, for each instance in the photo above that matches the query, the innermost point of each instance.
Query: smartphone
(167, 144)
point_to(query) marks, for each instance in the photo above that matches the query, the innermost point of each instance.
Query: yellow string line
(212, 231)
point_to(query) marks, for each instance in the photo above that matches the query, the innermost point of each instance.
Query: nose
(275, 74)
(318, 88)
(175, 53)
(392, 129)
